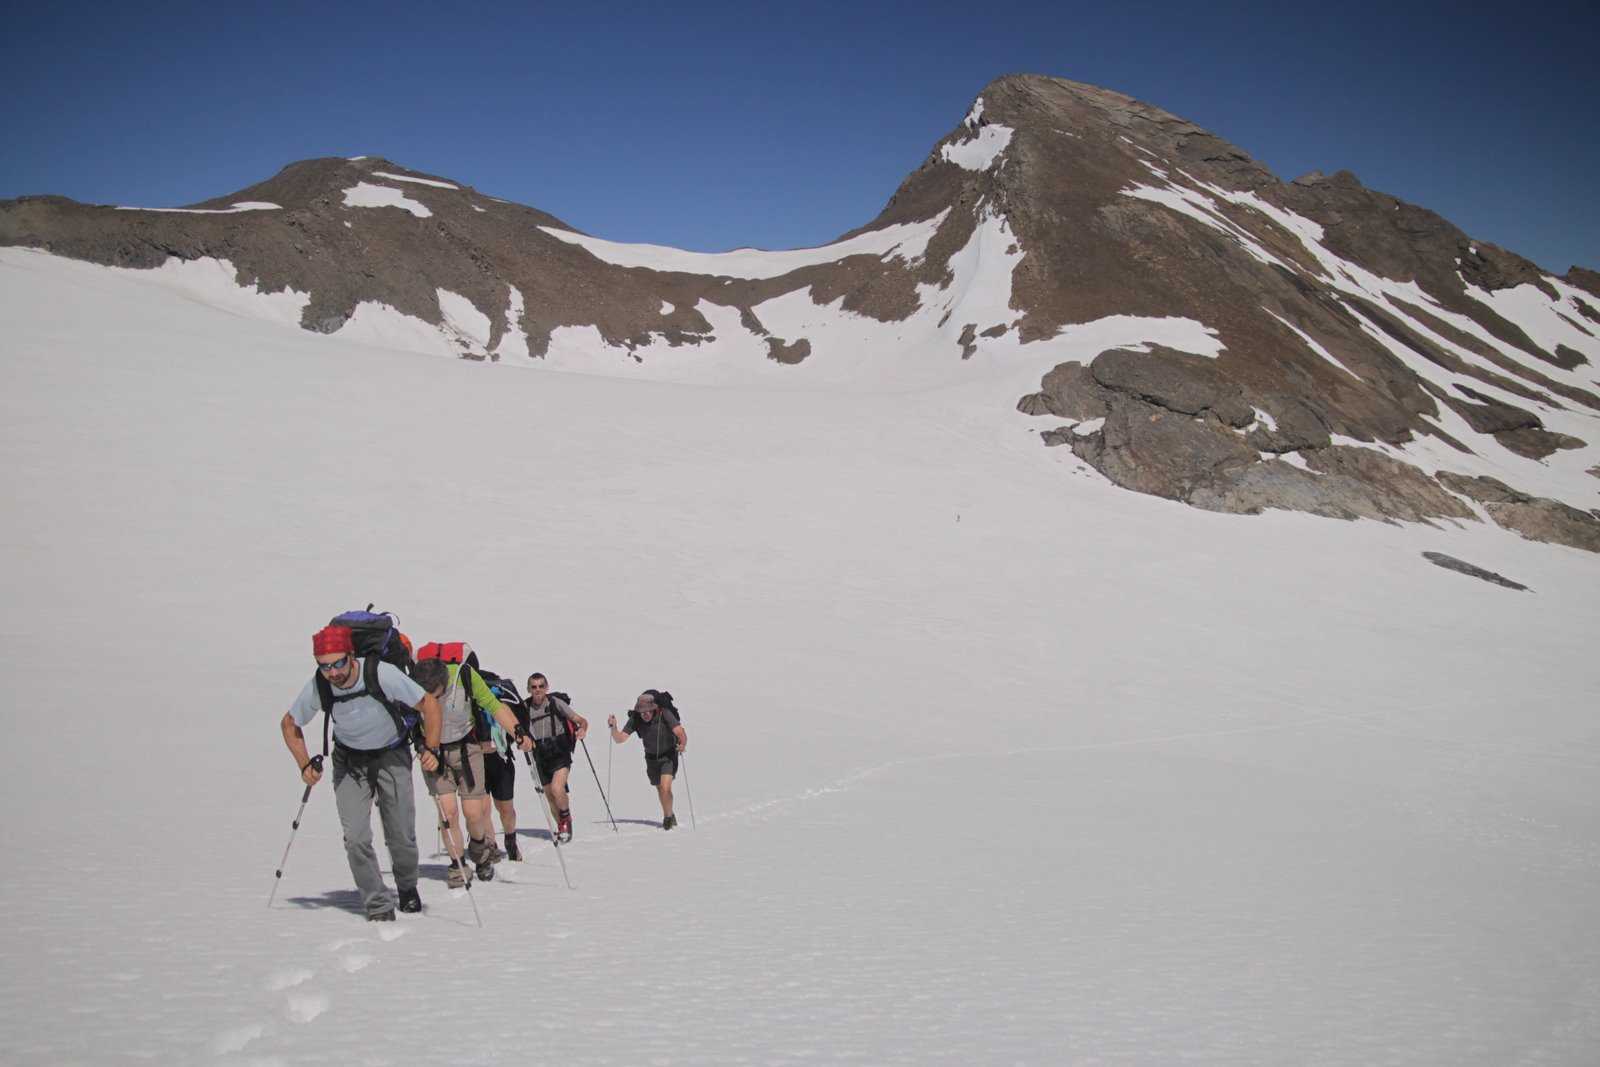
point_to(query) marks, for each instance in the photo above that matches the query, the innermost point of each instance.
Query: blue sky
(714, 125)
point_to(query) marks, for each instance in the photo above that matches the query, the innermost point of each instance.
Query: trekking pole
(611, 748)
(544, 803)
(683, 761)
(596, 774)
(294, 828)
(459, 860)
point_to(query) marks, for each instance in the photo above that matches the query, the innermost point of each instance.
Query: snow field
(991, 761)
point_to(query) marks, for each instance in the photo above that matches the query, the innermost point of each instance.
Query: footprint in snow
(355, 962)
(236, 1039)
(303, 1007)
(345, 942)
(288, 979)
(393, 933)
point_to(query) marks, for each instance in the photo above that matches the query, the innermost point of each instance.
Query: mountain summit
(1174, 314)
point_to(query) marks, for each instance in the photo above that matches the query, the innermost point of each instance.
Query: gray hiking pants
(384, 777)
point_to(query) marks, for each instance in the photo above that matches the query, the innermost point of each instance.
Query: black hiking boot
(481, 851)
(513, 852)
(381, 917)
(410, 901)
(669, 822)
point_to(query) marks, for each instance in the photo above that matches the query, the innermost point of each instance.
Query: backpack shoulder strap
(404, 718)
(325, 694)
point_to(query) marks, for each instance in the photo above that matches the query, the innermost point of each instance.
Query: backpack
(377, 633)
(505, 691)
(663, 703)
(377, 639)
(566, 741)
(484, 728)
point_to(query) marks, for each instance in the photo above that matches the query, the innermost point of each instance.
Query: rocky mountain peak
(1201, 329)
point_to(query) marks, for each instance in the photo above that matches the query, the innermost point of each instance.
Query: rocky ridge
(1200, 329)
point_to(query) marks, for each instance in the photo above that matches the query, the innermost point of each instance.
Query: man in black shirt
(655, 720)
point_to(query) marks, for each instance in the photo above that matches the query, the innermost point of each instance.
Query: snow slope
(991, 762)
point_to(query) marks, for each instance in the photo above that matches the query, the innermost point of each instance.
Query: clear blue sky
(713, 125)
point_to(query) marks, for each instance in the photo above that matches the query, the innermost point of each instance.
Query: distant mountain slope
(1190, 325)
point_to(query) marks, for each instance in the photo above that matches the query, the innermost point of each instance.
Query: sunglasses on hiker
(337, 665)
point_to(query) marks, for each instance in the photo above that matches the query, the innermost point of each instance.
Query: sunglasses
(337, 665)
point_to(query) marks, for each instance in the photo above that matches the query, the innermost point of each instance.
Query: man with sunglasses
(548, 715)
(371, 762)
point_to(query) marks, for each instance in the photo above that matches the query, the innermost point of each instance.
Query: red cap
(332, 639)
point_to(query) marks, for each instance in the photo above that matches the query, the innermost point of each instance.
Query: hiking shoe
(513, 852)
(486, 871)
(457, 876)
(381, 916)
(410, 900)
(496, 853)
(564, 826)
(669, 822)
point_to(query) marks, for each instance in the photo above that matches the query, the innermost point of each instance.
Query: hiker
(655, 720)
(500, 767)
(373, 706)
(554, 743)
(458, 687)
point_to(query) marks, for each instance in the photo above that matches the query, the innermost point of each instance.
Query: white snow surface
(906, 241)
(242, 205)
(418, 181)
(980, 152)
(365, 194)
(995, 763)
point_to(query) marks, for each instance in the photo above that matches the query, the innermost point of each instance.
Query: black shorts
(550, 759)
(656, 766)
(499, 776)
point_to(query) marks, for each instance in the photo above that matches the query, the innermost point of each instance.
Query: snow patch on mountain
(1202, 209)
(463, 323)
(906, 242)
(381, 325)
(242, 205)
(1311, 343)
(365, 194)
(1547, 322)
(514, 341)
(981, 151)
(418, 181)
(208, 281)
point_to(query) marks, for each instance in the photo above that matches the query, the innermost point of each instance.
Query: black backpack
(663, 703)
(377, 639)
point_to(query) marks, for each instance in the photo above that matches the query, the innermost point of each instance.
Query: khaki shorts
(461, 772)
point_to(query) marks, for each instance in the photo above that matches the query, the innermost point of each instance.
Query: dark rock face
(1536, 518)
(1450, 563)
(1167, 453)
(1188, 385)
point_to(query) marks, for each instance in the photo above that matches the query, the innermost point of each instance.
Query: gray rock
(1156, 450)
(1069, 391)
(1450, 563)
(1535, 518)
(1189, 385)
(1299, 425)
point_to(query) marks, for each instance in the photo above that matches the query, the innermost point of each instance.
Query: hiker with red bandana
(375, 709)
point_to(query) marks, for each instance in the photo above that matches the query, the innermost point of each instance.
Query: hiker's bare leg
(447, 804)
(508, 815)
(557, 791)
(664, 788)
(479, 824)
